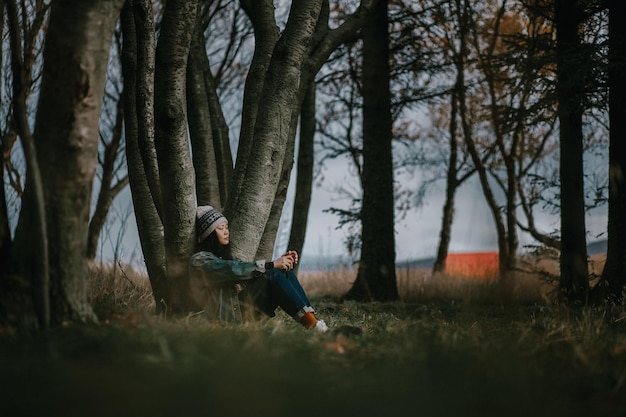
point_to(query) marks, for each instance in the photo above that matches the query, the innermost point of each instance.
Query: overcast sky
(417, 233)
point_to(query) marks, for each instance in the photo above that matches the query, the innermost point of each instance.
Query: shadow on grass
(409, 359)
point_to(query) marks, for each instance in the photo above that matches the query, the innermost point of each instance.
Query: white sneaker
(321, 326)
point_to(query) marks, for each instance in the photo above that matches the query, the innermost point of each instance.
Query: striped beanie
(207, 220)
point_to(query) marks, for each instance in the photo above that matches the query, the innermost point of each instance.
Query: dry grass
(114, 288)
(119, 287)
(421, 285)
(450, 347)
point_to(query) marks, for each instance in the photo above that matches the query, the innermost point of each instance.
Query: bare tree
(176, 175)
(264, 159)
(376, 278)
(304, 181)
(111, 170)
(212, 158)
(614, 273)
(457, 173)
(33, 214)
(56, 208)
(574, 281)
(138, 72)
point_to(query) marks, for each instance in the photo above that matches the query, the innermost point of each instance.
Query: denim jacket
(216, 284)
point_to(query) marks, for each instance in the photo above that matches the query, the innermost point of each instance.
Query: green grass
(435, 356)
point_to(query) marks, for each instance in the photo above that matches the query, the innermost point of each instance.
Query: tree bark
(574, 280)
(66, 132)
(614, 272)
(261, 15)
(311, 51)
(5, 231)
(138, 72)
(145, 53)
(175, 167)
(267, 153)
(376, 278)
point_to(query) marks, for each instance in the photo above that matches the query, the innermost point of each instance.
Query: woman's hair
(212, 244)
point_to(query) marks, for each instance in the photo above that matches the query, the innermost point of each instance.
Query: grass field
(451, 347)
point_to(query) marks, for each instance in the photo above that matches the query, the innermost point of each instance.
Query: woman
(230, 283)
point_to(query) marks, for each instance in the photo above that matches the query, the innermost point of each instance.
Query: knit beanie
(207, 220)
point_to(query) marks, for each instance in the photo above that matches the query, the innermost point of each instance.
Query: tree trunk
(108, 190)
(200, 130)
(144, 110)
(574, 281)
(138, 72)
(266, 245)
(376, 278)
(75, 60)
(615, 267)
(221, 139)
(34, 271)
(265, 162)
(503, 232)
(304, 180)
(286, 66)
(261, 14)
(5, 231)
(210, 142)
(452, 184)
(170, 136)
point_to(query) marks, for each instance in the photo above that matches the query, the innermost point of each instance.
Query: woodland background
(206, 102)
(195, 102)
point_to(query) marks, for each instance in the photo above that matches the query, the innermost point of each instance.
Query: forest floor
(448, 348)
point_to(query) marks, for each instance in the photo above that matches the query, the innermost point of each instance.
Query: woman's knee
(273, 275)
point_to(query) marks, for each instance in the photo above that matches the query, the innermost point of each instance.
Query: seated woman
(230, 283)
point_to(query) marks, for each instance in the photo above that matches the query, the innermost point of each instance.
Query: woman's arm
(221, 271)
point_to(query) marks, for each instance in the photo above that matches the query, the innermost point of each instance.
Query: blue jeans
(277, 288)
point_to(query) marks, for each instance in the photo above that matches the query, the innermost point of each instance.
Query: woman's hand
(287, 261)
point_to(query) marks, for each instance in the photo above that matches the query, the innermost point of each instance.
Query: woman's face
(222, 234)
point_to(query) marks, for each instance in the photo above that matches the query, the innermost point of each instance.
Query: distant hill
(330, 263)
(424, 263)
(597, 248)
(310, 263)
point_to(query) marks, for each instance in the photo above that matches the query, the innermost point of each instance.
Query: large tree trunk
(261, 14)
(257, 181)
(138, 72)
(376, 278)
(66, 132)
(260, 150)
(170, 136)
(615, 267)
(255, 197)
(574, 281)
